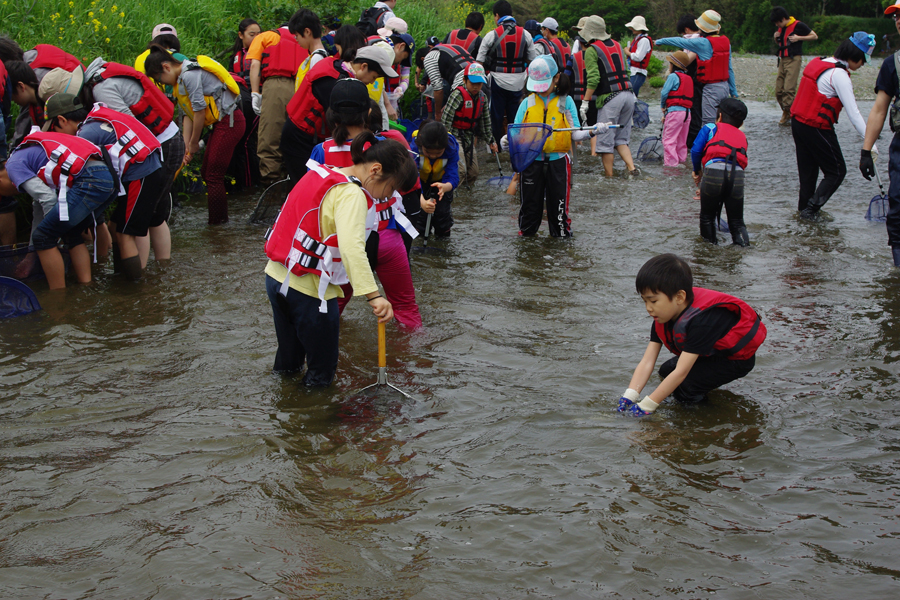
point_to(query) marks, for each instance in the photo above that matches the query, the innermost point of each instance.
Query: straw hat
(709, 22)
(680, 59)
(59, 81)
(638, 24)
(594, 29)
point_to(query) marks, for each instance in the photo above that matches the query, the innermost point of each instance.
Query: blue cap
(865, 42)
(410, 45)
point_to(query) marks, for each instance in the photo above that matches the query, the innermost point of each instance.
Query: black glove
(866, 165)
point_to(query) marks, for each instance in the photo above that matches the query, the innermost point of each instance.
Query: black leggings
(708, 373)
(722, 186)
(817, 149)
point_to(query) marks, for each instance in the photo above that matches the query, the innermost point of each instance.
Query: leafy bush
(657, 82)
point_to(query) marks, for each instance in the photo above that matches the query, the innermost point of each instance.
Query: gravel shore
(755, 77)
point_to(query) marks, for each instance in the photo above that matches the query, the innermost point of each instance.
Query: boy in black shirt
(789, 36)
(714, 337)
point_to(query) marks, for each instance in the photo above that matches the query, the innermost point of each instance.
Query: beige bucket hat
(709, 21)
(594, 29)
(638, 24)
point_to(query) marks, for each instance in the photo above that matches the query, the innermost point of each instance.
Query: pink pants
(674, 137)
(396, 279)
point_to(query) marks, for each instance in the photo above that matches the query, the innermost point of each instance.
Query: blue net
(878, 208)
(526, 141)
(641, 114)
(650, 150)
(16, 298)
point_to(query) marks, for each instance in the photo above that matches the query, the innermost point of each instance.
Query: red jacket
(509, 50)
(304, 110)
(154, 109)
(469, 111)
(727, 142)
(646, 60)
(684, 95)
(740, 343)
(134, 142)
(811, 107)
(613, 60)
(716, 68)
(282, 59)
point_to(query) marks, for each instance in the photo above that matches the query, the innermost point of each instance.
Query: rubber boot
(739, 235)
(117, 258)
(811, 212)
(131, 268)
(708, 229)
(896, 253)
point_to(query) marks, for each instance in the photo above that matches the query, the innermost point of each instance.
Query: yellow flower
(71, 3)
(79, 41)
(121, 15)
(107, 39)
(120, 26)
(114, 8)
(102, 10)
(91, 14)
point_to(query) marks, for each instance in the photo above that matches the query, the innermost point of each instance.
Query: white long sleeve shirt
(836, 82)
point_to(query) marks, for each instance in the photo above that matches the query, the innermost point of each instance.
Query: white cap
(550, 23)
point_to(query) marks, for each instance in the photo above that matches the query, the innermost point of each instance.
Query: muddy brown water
(149, 452)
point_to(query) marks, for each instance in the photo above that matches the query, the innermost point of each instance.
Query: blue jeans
(94, 190)
(304, 333)
(636, 82)
(503, 104)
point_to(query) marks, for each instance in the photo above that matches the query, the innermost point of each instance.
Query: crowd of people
(317, 103)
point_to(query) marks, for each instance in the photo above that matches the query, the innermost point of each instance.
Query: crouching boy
(713, 335)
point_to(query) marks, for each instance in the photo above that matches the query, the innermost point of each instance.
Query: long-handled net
(502, 181)
(878, 205)
(526, 142)
(271, 201)
(650, 150)
(641, 114)
(16, 298)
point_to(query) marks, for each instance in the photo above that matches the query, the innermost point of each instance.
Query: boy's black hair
(432, 135)
(78, 115)
(848, 51)
(475, 21)
(396, 163)
(420, 57)
(305, 19)
(21, 72)
(10, 49)
(502, 8)
(242, 27)
(166, 40)
(685, 23)
(778, 14)
(730, 119)
(666, 274)
(350, 39)
(372, 64)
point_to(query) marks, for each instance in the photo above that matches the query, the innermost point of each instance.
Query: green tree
(615, 12)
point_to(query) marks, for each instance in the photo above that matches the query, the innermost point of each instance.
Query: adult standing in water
(714, 69)
(789, 36)
(824, 90)
(887, 88)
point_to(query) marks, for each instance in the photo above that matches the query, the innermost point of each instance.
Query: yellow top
(343, 211)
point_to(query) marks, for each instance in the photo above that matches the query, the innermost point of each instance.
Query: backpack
(370, 20)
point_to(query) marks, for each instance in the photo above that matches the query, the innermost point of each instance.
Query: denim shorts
(93, 191)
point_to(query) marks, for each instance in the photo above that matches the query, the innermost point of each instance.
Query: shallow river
(149, 452)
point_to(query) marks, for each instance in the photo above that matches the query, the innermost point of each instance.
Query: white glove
(582, 111)
(601, 127)
(256, 101)
(504, 143)
(874, 148)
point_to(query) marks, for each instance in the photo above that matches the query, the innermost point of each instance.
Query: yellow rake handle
(382, 349)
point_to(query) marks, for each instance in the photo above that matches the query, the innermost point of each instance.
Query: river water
(149, 452)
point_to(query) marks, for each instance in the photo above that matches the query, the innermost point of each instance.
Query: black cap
(733, 108)
(349, 96)
(58, 105)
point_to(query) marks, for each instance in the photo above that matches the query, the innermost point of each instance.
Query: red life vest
(304, 110)
(464, 42)
(469, 111)
(783, 34)
(613, 60)
(579, 76)
(460, 56)
(296, 239)
(282, 59)
(240, 66)
(741, 341)
(684, 95)
(66, 157)
(811, 107)
(3, 76)
(37, 114)
(392, 83)
(380, 211)
(154, 109)
(716, 68)
(646, 60)
(727, 142)
(563, 48)
(509, 49)
(134, 142)
(550, 49)
(51, 57)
